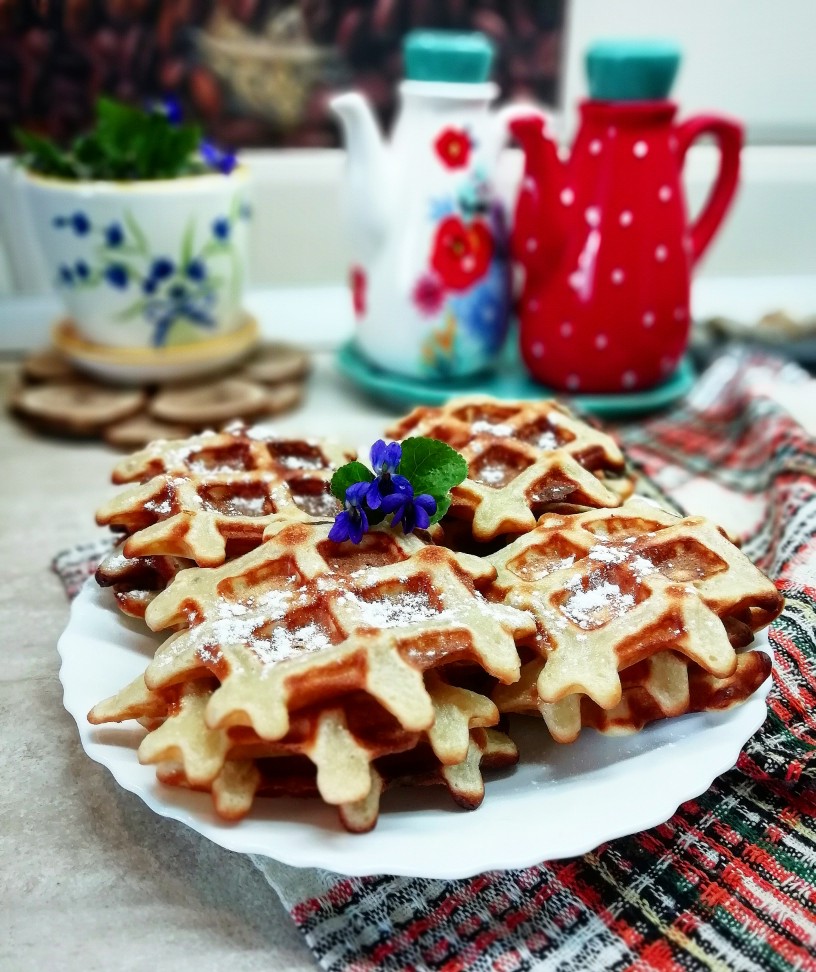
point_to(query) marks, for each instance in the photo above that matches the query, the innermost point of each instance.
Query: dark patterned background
(254, 72)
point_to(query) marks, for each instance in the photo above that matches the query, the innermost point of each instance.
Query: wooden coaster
(77, 407)
(277, 363)
(135, 432)
(55, 399)
(210, 404)
(48, 365)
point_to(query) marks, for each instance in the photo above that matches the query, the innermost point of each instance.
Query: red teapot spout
(541, 225)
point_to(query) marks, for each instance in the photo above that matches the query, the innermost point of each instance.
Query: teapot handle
(729, 137)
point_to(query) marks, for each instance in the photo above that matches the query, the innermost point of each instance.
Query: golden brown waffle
(523, 457)
(137, 580)
(236, 787)
(212, 495)
(301, 620)
(659, 687)
(610, 588)
(341, 742)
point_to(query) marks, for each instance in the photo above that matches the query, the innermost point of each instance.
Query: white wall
(750, 58)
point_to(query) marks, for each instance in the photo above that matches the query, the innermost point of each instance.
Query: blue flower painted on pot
(162, 268)
(114, 235)
(80, 224)
(196, 270)
(168, 289)
(180, 305)
(116, 275)
(483, 311)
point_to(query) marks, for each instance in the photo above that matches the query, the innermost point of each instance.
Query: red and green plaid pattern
(730, 881)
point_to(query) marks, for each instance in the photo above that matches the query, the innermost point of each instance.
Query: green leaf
(348, 475)
(442, 507)
(43, 156)
(126, 143)
(136, 232)
(135, 310)
(431, 466)
(187, 242)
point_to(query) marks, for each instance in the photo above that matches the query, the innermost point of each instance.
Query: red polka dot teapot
(604, 237)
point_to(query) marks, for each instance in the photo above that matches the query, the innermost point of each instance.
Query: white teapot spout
(367, 194)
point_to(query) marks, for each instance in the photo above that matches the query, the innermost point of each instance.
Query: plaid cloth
(730, 881)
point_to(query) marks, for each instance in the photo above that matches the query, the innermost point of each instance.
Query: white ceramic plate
(559, 801)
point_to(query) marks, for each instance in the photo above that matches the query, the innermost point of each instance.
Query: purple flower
(216, 158)
(170, 107)
(413, 512)
(384, 461)
(352, 523)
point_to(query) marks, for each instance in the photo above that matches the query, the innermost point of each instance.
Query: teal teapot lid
(446, 55)
(632, 70)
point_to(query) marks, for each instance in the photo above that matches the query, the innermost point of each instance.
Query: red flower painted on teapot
(358, 282)
(606, 245)
(453, 147)
(461, 252)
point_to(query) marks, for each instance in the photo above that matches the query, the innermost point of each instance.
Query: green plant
(125, 144)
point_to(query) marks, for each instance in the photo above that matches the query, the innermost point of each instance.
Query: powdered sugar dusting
(493, 475)
(597, 605)
(499, 429)
(546, 440)
(284, 642)
(393, 611)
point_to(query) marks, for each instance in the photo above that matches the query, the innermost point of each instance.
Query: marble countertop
(90, 878)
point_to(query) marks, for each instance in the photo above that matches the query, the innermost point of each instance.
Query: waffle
(340, 748)
(241, 780)
(296, 666)
(662, 686)
(137, 580)
(304, 628)
(522, 458)
(211, 496)
(610, 588)
(300, 619)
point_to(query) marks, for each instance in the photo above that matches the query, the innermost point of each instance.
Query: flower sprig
(127, 143)
(411, 482)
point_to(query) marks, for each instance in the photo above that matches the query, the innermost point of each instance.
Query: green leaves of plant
(126, 144)
(432, 467)
(348, 475)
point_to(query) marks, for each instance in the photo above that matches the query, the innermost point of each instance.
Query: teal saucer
(509, 380)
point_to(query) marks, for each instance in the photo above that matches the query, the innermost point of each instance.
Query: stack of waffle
(295, 665)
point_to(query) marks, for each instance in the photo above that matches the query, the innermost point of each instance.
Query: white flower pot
(148, 264)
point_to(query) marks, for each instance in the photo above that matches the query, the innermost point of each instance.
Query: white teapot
(430, 275)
